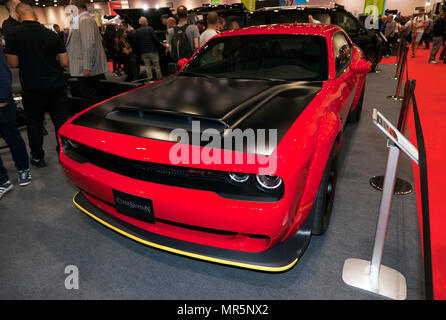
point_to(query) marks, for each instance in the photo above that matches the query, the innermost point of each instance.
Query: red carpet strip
(430, 93)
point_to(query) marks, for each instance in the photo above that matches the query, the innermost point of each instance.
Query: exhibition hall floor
(41, 233)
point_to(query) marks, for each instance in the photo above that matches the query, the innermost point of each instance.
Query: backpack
(180, 43)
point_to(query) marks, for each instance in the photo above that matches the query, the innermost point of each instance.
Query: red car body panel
(271, 223)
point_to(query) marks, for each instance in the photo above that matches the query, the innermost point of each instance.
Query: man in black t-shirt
(12, 20)
(40, 55)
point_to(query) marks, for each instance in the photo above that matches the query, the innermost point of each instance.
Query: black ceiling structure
(51, 3)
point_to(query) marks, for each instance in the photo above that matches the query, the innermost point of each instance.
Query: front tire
(323, 203)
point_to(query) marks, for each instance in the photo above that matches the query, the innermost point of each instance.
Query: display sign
(114, 5)
(394, 135)
(250, 4)
(293, 2)
(379, 6)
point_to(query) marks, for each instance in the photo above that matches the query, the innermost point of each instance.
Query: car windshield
(271, 57)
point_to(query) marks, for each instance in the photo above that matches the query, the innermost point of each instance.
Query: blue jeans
(12, 137)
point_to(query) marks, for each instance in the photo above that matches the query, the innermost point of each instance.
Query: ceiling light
(145, 6)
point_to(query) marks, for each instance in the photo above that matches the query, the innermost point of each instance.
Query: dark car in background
(230, 12)
(367, 40)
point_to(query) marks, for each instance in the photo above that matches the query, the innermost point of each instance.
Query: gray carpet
(41, 232)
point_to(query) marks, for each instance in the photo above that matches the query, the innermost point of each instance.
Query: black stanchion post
(398, 62)
(397, 96)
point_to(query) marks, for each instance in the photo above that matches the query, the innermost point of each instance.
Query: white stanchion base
(392, 283)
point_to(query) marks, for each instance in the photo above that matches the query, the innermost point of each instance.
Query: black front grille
(191, 178)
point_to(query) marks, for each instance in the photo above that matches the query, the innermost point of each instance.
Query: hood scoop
(164, 119)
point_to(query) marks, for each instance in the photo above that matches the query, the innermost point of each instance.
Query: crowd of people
(128, 48)
(416, 30)
(83, 52)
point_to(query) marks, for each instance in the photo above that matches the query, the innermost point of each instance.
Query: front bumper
(280, 257)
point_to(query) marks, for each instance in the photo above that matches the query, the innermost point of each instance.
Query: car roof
(325, 30)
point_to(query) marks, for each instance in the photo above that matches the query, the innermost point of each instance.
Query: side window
(342, 52)
(346, 22)
(323, 18)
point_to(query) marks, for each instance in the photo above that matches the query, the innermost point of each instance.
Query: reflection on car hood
(154, 111)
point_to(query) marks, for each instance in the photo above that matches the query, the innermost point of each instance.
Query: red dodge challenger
(231, 160)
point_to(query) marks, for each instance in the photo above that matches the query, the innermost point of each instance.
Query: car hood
(218, 104)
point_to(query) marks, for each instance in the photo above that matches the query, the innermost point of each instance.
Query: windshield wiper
(195, 74)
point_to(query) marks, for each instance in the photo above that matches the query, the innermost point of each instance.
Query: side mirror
(361, 66)
(181, 63)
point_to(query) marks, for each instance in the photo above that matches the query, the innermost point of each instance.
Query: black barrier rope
(422, 165)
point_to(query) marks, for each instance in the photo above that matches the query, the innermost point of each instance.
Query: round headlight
(269, 182)
(238, 177)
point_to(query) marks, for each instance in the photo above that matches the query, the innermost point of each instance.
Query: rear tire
(373, 57)
(355, 115)
(323, 203)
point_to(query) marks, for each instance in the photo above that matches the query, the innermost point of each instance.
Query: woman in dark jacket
(109, 40)
(127, 57)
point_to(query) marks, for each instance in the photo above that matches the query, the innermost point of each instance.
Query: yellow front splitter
(280, 258)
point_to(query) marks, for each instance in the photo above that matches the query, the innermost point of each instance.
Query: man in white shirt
(420, 22)
(312, 20)
(212, 21)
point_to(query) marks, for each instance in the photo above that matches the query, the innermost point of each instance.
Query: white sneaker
(6, 187)
(433, 61)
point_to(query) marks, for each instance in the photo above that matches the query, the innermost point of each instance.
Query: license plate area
(134, 206)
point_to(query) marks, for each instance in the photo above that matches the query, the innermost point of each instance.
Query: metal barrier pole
(398, 62)
(401, 186)
(371, 275)
(384, 214)
(396, 96)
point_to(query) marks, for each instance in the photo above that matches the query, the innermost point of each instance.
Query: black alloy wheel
(323, 204)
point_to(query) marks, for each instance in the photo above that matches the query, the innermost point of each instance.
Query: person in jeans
(420, 22)
(389, 32)
(41, 76)
(438, 33)
(9, 132)
(146, 44)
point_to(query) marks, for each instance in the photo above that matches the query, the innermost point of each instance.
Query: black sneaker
(24, 177)
(39, 163)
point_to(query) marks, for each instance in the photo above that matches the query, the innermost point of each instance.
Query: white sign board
(394, 135)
